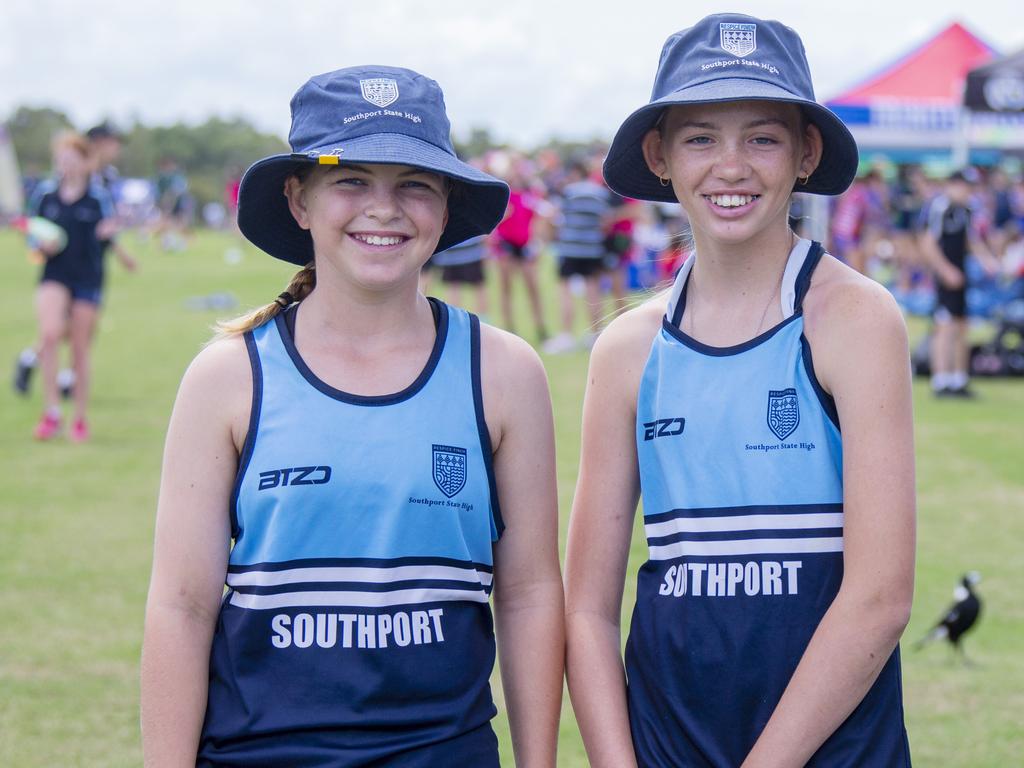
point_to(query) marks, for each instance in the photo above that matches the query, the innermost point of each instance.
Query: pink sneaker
(79, 431)
(48, 427)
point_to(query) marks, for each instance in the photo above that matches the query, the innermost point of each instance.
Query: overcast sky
(525, 69)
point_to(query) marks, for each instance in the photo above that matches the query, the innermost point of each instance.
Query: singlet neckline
(285, 322)
(77, 200)
(801, 284)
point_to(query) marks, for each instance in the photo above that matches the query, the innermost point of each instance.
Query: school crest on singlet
(449, 469)
(738, 39)
(357, 594)
(381, 91)
(783, 412)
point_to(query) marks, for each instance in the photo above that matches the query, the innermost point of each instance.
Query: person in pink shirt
(511, 241)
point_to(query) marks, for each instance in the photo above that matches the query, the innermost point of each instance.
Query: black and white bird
(960, 616)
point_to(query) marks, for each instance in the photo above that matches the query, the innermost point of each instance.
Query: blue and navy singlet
(741, 475)
(355, 629)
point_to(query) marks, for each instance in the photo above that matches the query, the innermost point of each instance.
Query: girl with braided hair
(362, 468)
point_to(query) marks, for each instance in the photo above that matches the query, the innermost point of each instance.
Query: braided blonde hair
(299, 288)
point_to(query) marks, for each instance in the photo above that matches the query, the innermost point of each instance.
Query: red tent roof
(934, 72)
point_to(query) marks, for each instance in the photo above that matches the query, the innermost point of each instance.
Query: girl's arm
(985, 255)
(527, 582)
(127, 260)
(945, 271)
(860, 350)
(191, 550)
(599, 535)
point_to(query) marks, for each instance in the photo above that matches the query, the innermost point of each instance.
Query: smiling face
(733, 165)
(375, 224)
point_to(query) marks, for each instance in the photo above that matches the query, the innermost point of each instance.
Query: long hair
(299, 288)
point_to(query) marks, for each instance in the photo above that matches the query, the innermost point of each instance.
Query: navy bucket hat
(365, 115)
(730, 57)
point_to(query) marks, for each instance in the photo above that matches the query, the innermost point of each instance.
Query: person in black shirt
(71, 284)
(945, 241)
(105, 148)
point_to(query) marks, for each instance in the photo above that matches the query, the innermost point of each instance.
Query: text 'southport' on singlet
(356, 627)
(740, 457)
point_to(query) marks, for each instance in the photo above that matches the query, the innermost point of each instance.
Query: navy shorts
(89, 293)
(515, 252)
(586, 267)
(950, 302)
(468, 274)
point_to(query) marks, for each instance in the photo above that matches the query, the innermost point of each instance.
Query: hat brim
(264, 217)
(627, 173)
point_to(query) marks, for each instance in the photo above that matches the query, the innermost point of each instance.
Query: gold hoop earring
(664, 181)
(803, 180)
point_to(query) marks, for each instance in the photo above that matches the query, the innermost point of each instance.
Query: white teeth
(378, 239)
(730, 201)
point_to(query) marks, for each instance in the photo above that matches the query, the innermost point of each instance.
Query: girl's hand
(128, 262)
(951, 278)
(106, 229)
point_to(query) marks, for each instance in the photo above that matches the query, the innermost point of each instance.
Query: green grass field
(76, 526)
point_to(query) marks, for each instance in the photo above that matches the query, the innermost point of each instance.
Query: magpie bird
(960, 616)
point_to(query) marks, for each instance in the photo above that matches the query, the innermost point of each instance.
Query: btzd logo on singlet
(294, 476)
(663, 428)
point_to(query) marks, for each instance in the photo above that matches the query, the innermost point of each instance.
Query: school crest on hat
(693, 70)
(331, 124)
(381, 91)
(738, 39)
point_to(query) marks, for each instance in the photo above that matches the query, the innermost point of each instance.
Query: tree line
(209, 153)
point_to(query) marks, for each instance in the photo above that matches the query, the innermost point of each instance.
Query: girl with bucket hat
(781, 549)
(360, 466)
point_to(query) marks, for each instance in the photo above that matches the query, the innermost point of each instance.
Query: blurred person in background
(512, 243)
(105, 145)
(651, 245)
(581, 252)
(948, 235)
(1004, 208)
(174, 203)
(859, 219)
(618, 245)
(462, 266)
(71, 285)
(908, 198)
(234, 181)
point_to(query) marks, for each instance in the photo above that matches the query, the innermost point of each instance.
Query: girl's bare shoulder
(630, 334)
(225, 359)
(840, 297)
(852, 323)
(217, 388)
(618, 359)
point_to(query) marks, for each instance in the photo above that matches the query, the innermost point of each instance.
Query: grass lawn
(76, 525)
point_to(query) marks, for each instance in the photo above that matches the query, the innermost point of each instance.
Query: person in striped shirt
(580, 247)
